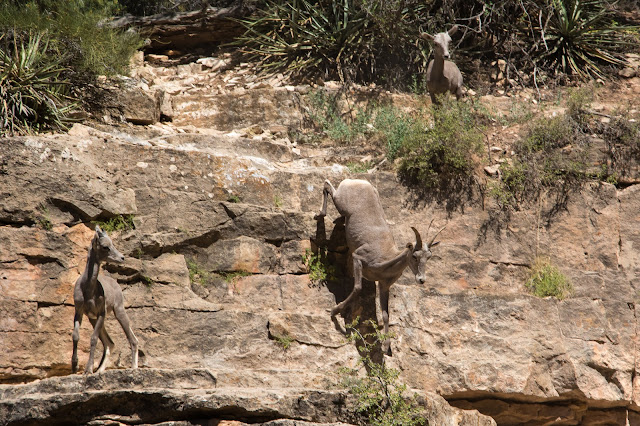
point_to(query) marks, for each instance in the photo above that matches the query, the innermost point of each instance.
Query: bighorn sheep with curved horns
(442, 76)
(95, 298)
(371, 245)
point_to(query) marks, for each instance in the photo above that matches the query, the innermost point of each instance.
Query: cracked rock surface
(236, 208)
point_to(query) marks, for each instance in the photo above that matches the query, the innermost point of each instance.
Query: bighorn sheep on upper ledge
(442, 76)
(371, 245)
(95, 298)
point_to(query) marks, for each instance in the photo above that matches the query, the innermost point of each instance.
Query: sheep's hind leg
(108, 345)
(123, 319)
(326, 191)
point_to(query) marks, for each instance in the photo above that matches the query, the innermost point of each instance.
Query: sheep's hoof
(319, 216)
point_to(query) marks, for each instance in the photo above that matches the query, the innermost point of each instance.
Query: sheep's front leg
(357, 286)
(326, 191)
(77, 322)
(97, 329)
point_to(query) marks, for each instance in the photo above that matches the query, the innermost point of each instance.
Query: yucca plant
(581, 37)
(32, 91)
(347, 39)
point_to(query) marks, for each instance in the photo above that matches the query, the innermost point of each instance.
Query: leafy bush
(552, 156)
(326, 113)
(622, 138)
(381, 398)
(33, 93)
(397, 128)
(546, 134)
(547, 280)
(445, 153)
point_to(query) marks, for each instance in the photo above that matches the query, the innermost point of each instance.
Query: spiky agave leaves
(32, 91)
(581, 37)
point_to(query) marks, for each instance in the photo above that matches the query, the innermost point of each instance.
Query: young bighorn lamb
(442, 76)
(371, 245)
(95, 297)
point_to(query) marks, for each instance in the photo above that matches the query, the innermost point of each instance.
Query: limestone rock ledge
(187, 396)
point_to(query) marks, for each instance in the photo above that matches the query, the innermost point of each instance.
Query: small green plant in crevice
(43, 220)
(277, 201)
(233, 198)
(285, 340)
(44, 223)
(146, 280)
(358, 167)
(381, 398)
(197, 275)
(233, 276)
(117, 223)
(547, 280)
(319, 268)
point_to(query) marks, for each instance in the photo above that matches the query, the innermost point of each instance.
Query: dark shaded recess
(521, 409)
(184, 31)
(143, 408)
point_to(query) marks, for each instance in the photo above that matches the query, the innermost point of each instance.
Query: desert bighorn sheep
(95, 298)
(442, 76)
(371, 245)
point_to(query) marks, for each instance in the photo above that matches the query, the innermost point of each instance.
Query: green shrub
(327, 116)
(546, 134)
(381, 398)
(622, 138)
(546, 280)
(33, 93)
(397, 128)
(551, 156)
(445, 153)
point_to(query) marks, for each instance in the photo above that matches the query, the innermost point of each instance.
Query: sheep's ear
(434, 244)
(410, 246)
(453, 30)
(99, 231)
(426, 36)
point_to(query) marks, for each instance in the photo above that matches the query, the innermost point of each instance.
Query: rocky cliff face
(224, 202)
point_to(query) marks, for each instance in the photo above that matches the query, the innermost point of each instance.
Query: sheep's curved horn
(418, 245)
(434, 237)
